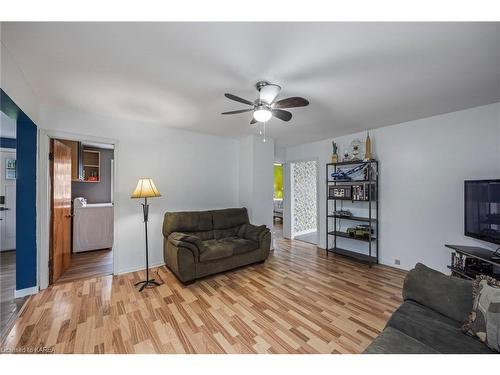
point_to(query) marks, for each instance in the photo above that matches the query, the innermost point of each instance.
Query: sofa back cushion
(196, 223)
(447, 295)
(227, 222)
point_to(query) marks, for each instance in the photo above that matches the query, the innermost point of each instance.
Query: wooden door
(60, 254)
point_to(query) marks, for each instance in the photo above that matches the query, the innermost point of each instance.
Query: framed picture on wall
(10, 169)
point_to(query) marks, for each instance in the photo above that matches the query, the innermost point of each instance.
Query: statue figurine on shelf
(368, 148)
(346, 155)
(335, 157)
(355, 144)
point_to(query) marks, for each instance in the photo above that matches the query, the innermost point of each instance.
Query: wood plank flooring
(9, 306)
(298, 301)
(88, 264)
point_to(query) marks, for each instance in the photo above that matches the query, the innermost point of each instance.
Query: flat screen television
(482, 210)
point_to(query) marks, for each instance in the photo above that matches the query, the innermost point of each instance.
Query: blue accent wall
(26, 144)
(7, 142)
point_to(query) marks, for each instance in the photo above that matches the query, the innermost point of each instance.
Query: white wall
(12, 81)
(256, 178)
(423, 164)
(193, 171)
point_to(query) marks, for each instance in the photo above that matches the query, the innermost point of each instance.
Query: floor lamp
(146, 189)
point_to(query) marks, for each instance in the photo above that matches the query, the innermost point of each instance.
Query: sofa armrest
(190, 242)
(253, 232)
(450, 296)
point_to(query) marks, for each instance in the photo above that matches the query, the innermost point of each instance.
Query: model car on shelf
(343, 213)
(360, 231)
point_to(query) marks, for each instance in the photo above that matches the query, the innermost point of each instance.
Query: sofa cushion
(229, 218)
(203, 235)
(392, 341)
(228, 232)
(241, 245)
(434, 330)
(193, 222)
(447, 295)
(226, 247)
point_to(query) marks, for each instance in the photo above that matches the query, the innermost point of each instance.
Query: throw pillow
(484, 320)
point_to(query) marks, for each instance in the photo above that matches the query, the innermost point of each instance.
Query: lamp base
(146, 283)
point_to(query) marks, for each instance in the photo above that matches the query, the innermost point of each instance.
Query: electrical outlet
(397, 262)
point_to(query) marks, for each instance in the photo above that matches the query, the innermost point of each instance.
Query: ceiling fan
(266, 106)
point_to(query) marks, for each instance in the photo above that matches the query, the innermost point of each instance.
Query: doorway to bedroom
(304, 201)
(82, 210)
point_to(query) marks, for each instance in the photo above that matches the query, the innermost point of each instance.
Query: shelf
(351, 200)
(353, 218)
(90, 166)
(351, 162)
(460, 272)
(345, 235)
(353, 254)
(351, 182)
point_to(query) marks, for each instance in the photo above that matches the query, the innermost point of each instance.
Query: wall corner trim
(26, 292)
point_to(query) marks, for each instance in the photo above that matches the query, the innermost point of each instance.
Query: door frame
(44, 188)
(289, 202)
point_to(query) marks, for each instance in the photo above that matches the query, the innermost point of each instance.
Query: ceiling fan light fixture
(269, 92)
(262, 114)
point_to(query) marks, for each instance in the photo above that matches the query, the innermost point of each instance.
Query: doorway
(304, 200)
(9, 305)
(82, 210)
(278, 196)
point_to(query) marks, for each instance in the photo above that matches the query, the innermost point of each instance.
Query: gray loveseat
(202, 243)
(430, 319)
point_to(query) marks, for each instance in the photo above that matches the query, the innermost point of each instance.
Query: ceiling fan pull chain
(264, 126)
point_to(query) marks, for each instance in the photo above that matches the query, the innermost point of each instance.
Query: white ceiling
(356, 75)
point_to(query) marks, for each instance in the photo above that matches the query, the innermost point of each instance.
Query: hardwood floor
(88, 264)
(298, 301)
(9, 306)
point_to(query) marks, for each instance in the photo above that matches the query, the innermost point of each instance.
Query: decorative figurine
(368, 147)
(355, 144)
(346, 155)
(335, 157)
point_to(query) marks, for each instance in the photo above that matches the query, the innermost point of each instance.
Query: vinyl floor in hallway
(298, 301)
(9, 306)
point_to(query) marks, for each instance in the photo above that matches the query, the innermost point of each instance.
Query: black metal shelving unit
(333, 221)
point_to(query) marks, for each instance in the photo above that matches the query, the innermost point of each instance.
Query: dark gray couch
(430, 319)
(202, 243)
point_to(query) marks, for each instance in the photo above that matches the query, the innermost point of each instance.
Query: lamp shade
(145, 188)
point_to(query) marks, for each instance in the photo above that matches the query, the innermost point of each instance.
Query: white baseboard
(304, 232)
(140, 268)
(26, 292)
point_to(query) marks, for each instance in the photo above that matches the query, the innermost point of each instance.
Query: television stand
(469, 261)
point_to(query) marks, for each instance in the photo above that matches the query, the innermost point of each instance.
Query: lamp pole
(145, 211)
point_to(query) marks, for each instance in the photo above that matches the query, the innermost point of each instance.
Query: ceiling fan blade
(282, 115)
(238, 99)
(292, 102)
(237, 111)
(254, 121)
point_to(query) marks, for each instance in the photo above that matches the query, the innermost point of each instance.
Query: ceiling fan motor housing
(261, 84)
